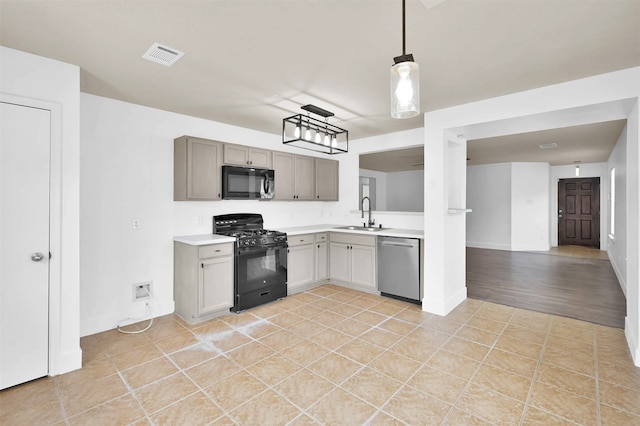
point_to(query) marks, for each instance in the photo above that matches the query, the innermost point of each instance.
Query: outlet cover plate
(142, 291)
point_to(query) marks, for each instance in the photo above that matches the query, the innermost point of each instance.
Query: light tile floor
(337, 356)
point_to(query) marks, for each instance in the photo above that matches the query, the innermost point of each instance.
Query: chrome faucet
(371, 222)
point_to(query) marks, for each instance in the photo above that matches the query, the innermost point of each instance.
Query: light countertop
(203, 240)
(206, 239)
(387, 232)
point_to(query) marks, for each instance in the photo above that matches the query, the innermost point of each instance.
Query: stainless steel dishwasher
(399, 268)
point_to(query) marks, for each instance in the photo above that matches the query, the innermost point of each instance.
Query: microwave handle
(265, 183)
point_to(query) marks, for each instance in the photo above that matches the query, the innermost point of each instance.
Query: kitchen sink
(362, 228)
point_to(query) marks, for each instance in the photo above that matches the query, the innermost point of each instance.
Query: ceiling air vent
(164, 55)
(548, 145)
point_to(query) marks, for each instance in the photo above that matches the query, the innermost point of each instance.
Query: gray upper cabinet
(240, 155)
(326, 180)
(294, 176)
(196, 169)
(197, 174)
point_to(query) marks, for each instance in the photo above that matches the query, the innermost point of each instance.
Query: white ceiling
(252, 63)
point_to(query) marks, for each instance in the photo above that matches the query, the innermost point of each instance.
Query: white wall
(407, 191)
(604, 97)
(568, 172)
(510, 203)
(29, 76)
(529, 206)
(617, 244)
(489, 196)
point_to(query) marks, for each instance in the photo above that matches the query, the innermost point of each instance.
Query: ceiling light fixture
(577, 162)
(405, 81)
(328, 139)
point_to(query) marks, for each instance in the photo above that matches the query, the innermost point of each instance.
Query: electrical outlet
(142, 291)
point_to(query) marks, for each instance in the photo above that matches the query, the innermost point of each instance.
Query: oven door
(260, 267)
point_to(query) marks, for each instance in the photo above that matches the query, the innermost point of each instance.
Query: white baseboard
(492, 246)
(95, 325)
(443, 307)
(621, 280)
(632, 341)
(66, 362)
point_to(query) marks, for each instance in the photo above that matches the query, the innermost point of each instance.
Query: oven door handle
(243, 251)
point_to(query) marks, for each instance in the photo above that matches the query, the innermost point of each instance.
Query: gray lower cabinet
(352, 260)
(197, 171)
(300, 262)
(322, 257)
(203, 280)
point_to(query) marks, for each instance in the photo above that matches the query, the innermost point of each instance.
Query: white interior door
(25, 137)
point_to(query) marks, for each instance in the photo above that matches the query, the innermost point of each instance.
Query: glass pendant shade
(405, 90)
(307, 134)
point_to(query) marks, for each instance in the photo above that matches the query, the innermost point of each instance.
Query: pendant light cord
(404, 50)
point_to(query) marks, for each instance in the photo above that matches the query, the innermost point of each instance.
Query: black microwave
(247, 183)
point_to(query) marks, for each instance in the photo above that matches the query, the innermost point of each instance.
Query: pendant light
(405, 81)
(327, 138)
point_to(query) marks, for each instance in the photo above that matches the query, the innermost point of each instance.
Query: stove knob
(247, 243)
(253, 242)
(263, 241)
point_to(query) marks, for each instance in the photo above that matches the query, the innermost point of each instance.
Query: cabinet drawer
(215, 250)
(363, 240)
(298, 240)
(321, 238)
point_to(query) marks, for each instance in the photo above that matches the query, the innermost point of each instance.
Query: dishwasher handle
(389, 243)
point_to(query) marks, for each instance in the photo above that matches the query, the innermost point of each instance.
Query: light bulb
(317, 137)
(307, 134)
(404, 91)
(334, 141)
(327, 141)
(296, 133)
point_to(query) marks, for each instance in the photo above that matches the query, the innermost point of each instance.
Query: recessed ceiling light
(548, 145)
(163, 55)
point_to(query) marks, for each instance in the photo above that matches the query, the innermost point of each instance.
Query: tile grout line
(480, 364)
(535, 373)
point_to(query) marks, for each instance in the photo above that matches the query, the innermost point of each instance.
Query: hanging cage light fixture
(308, 132)
(405, 81)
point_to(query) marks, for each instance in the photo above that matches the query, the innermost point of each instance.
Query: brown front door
(579, 212)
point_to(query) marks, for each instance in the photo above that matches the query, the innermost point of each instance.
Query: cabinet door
(215, 284)
(283, 165)
(236, 155)
(203, 169)
(340, 262)
(363, 265)
(300, 266)
(260, 158)
(326, 180)
(305, 178)
(322, 258)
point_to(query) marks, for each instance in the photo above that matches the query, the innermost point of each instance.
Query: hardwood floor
(582, 288)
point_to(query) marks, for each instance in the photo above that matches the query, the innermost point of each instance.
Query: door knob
(37, 257)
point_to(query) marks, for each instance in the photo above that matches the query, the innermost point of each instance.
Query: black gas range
(260, 269)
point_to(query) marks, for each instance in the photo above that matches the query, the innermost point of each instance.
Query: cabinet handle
(202, 265)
